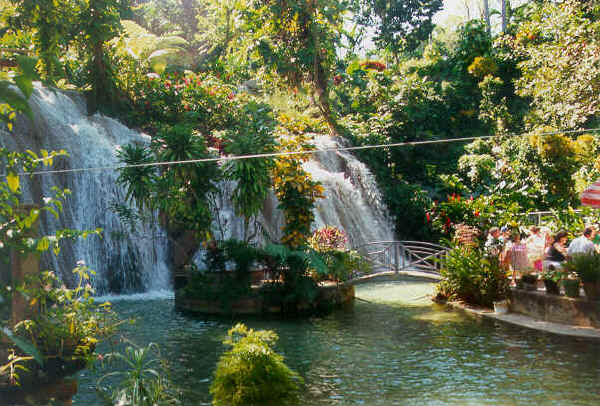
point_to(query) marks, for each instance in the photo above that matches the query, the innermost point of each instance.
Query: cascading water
(352, 201)
(124, 260)
(137, 260)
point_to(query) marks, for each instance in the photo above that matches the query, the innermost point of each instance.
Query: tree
(298, 40)
(560, 71)
(100, 22)
(400, 25)
(53, 24)
(252, 133)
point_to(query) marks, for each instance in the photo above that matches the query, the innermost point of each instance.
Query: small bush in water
(251, 373)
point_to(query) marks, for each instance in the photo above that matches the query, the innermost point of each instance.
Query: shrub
(330, 243)
(251, 373)
(143, 382)
(587, 267)
(470, 276)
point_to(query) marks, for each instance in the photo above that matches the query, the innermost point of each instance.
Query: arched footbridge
(413, 258)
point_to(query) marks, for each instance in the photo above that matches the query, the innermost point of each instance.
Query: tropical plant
(296, 191)
(585, 266)
(252, 373)
(297, 40)
(69, 323)
(469, 275)
(399, 26)
(331, 244)
(252, 133)
(142, 380)
(11, 101)
(62, 333)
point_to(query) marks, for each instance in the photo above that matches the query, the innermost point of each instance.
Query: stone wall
(554, 308)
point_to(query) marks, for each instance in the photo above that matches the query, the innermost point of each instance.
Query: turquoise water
(391, 348)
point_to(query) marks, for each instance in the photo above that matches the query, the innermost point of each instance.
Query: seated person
(557, 252)
(583, 244)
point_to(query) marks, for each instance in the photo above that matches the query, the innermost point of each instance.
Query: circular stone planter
(329, 295)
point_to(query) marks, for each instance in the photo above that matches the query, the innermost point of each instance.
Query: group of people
(538, 250)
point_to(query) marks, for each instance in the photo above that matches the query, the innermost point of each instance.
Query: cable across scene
(292, 153)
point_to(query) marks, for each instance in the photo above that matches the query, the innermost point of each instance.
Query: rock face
(137, 259)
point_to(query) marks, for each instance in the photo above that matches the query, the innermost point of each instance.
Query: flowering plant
(328, 238)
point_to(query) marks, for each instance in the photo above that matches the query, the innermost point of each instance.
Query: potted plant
(571, 287)
(587, 268)
(551, 278)
(529, 281)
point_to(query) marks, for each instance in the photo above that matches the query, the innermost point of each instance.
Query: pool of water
(393, 347)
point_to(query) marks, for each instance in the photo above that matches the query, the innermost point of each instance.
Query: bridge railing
(396, 256)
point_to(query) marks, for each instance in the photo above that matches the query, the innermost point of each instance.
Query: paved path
(391, 275)
(530, 322)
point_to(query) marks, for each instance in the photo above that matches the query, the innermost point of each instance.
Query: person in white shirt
(583, 244)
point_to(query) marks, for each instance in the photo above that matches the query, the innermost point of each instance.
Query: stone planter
(551, 286)
(529, 282)
(571, 287)
(501, 307)
(592, 290)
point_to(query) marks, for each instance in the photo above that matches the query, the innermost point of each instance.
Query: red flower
(428, 217)
(230, 96)
(476, 213)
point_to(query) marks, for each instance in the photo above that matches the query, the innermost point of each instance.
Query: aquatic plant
(142, 381)
(252, 373)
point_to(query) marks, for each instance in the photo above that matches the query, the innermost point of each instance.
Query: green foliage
(69, 323)
(87, 24)
(295, 189)
(469, 275)
(13, 102)
(586, 266)
(400, 26)
(219, 283)
(559, 72)
(64, 330)
(298, 40)
(143, 381)
(252, 373)
(252, 133)
(330, 243)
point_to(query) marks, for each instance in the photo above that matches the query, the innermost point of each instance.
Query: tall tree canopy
(400, 25)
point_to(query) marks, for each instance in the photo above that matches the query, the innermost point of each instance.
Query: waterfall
(127, 260)
(124, 260)
(352, 200)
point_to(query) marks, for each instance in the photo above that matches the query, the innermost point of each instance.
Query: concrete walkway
(392, 276)
(530, 322)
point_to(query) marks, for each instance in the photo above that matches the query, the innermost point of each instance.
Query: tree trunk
(486, 14)
(504, 16)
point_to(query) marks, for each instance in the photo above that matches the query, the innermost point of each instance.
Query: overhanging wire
(292, 153)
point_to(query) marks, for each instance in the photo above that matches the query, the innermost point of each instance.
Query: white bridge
(414, 257)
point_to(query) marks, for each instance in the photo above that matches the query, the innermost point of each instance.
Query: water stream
(395, 349)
